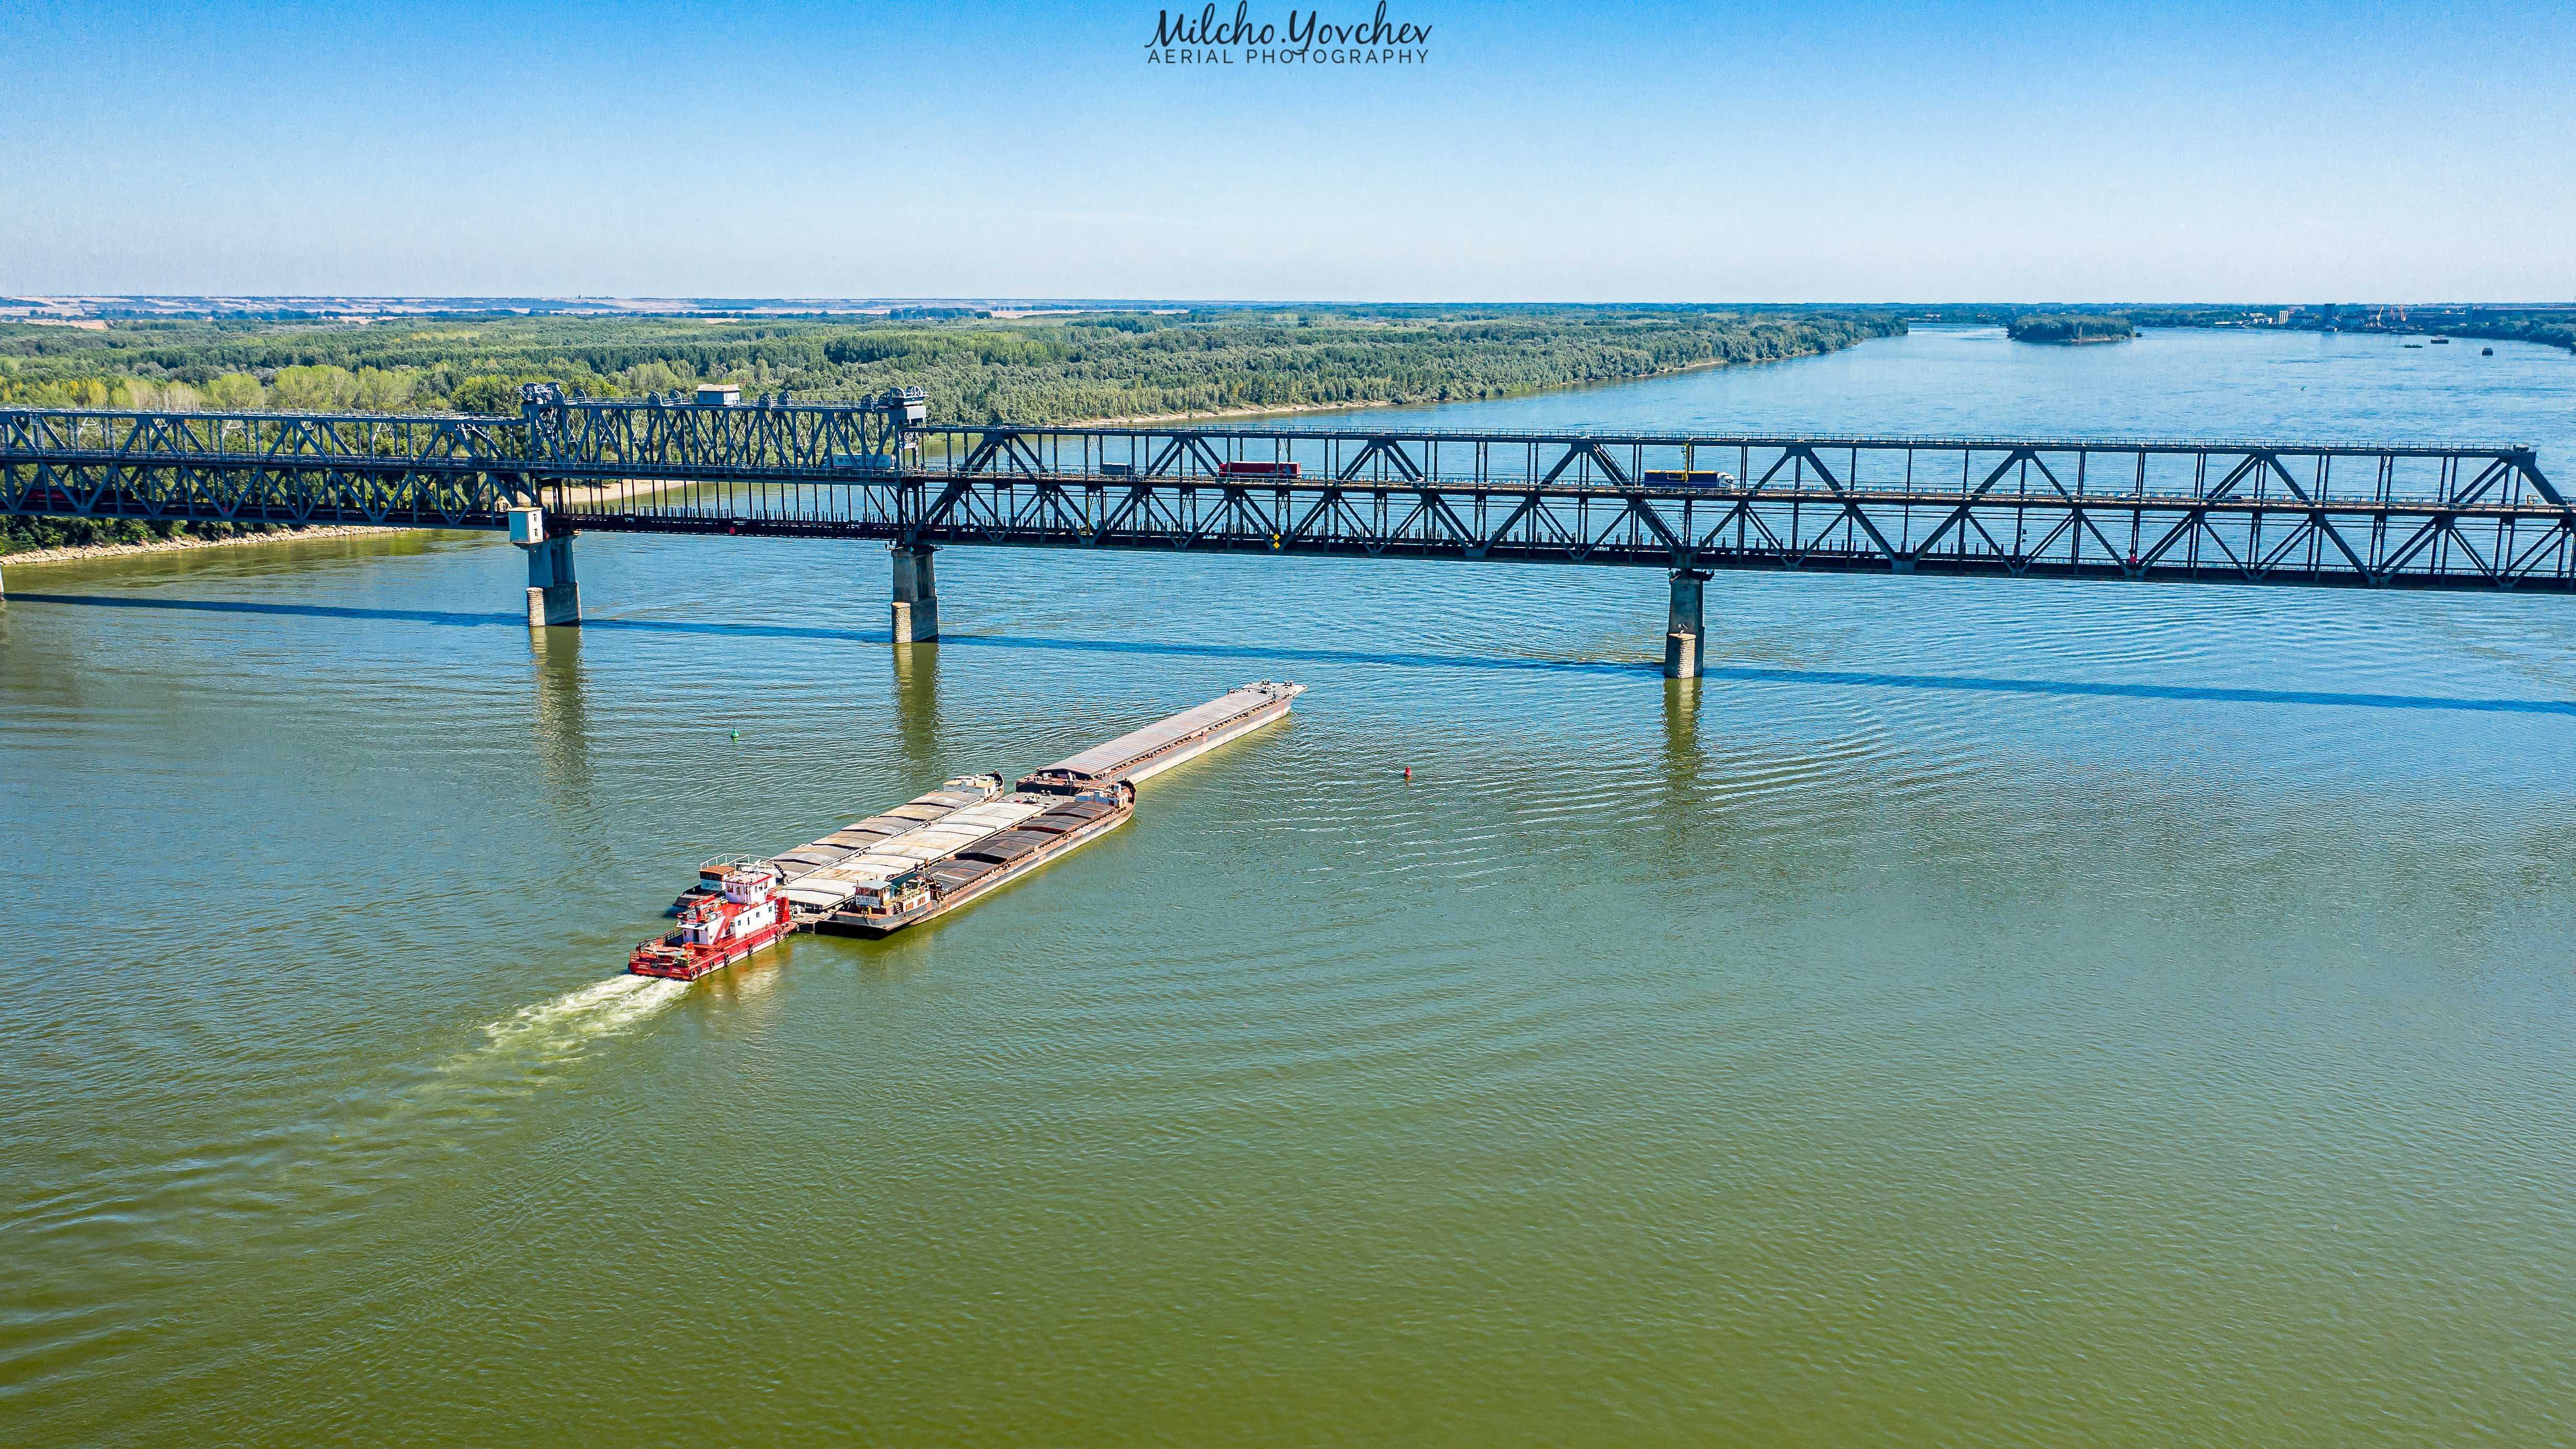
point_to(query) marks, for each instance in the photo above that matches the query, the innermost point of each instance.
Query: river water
(1980, 1012)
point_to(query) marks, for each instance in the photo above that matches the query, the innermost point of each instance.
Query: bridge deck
(2408, 514)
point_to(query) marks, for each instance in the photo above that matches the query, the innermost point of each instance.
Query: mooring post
(553, 595)
(1682, 634)
(916, 595)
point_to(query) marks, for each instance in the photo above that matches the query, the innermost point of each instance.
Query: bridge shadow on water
(1249, 653)
(302, 611)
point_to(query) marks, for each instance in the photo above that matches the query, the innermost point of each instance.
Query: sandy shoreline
(1268, 412)
(599, 493)
(174, 545)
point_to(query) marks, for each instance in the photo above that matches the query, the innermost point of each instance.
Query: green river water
(1979, 1013)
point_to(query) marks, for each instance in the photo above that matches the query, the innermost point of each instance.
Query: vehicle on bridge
(1259, 470)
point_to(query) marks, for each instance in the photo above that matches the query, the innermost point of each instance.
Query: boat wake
(377, 1135)
(520, 1051)
(552, 1032)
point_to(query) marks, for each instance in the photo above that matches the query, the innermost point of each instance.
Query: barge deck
(953, 845)
(1140, 755)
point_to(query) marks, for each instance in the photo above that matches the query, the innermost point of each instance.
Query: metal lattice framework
(669, 439)
(2400, 514)
(432, 472)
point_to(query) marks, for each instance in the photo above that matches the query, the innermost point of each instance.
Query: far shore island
(2063, 330)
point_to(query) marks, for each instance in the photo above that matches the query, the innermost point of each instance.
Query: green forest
(974, 368)
(1049, 369)
(2061, 328)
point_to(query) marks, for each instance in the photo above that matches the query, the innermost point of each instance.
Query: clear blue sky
(1792, 151)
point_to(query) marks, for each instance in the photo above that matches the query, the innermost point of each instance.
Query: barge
(943, 849)
(1054, 826)
(1142, 754)
(1062, 807)
(914, 815)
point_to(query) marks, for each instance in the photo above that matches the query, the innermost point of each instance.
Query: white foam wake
(551, 1031)
(520, 1051)
(425, 1108)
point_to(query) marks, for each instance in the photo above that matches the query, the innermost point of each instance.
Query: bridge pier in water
(916, 595)
(553, 595)
(1682, 634)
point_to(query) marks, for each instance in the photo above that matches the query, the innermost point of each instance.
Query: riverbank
(1219, 414)
(75, 552)
(1382, 404)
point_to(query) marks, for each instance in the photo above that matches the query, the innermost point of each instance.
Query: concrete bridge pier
(916, 595)
(1682, 634)
(553, 596)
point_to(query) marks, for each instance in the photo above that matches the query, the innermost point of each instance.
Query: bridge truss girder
(2243, 542)
(398, 495)
(2352, 514)
(614, 436)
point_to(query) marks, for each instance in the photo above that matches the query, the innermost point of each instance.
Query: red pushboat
(716, 930)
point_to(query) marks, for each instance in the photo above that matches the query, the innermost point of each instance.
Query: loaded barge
(1157, 747)
(1036, 834)
(945, 848)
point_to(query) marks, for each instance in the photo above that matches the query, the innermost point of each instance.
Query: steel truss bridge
(2361, 514)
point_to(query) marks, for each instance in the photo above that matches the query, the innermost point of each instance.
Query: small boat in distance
(746, 915)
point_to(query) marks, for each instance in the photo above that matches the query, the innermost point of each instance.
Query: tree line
(2062, 327)
(974, 369)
